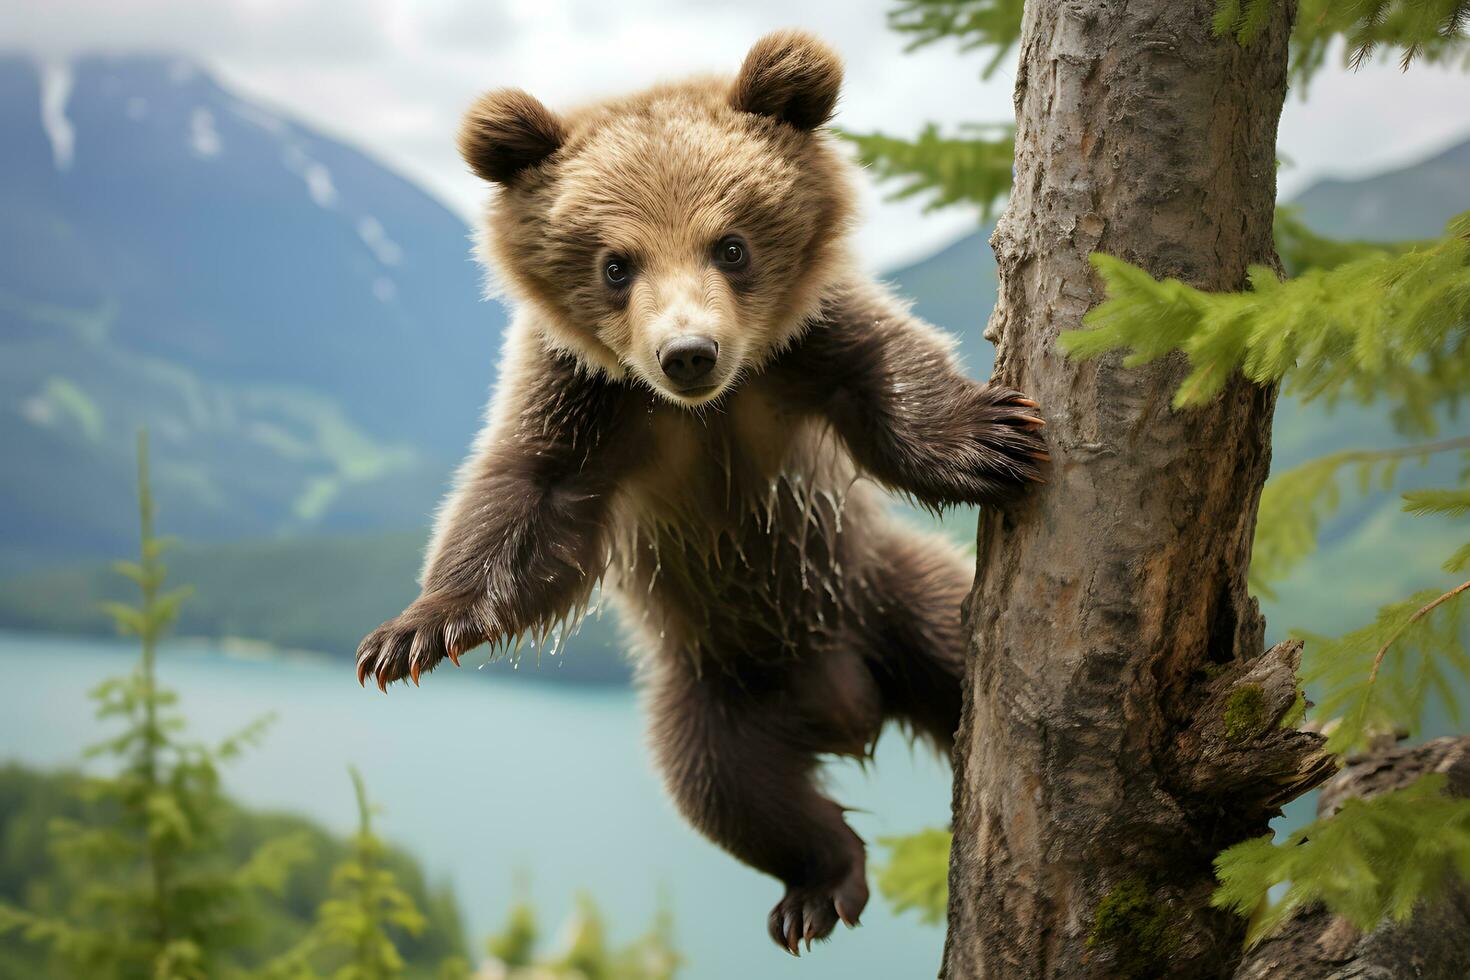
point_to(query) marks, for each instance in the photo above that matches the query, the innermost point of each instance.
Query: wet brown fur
(783, 613)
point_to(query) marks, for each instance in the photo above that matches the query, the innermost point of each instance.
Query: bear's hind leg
(913, 632)
(738, 760)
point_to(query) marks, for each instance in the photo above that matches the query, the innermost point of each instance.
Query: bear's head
(682, 235)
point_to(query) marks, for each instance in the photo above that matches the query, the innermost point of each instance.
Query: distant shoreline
(248, 650)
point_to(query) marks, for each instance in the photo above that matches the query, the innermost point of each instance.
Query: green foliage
(1297, 713)
(917, 873)
(1374, 326)
(586, 954)
(1131, 923)
(1430, 29)
(154, 873)
(32, 802)
(1384, 675)
(515, 945)
(1242, 19)
(1454, 503)
(353, 938)
(974, 168)
(151, 893)
(1391, 327)
(975, 171)
(1375, 858)
(974, 23)
(1296, 503)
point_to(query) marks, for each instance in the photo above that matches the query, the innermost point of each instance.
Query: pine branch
(973, 169)
(974, 23)
(1381, 677)
(1374, 860)
(1449, 503)
(1394, 328)
(1430, 30)
(153, 860)
(1316, 943)
(1423, 611)
(1296, 502)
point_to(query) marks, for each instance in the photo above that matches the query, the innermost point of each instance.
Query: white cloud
(393, 76)
(1354, 124)
(260, 31)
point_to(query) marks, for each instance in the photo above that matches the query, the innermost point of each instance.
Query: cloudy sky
(392, 76)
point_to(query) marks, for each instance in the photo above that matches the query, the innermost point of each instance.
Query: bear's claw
(1006, 450)
(805, 914)
(406, 647)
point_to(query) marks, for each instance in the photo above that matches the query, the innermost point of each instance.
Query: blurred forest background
(299, 328)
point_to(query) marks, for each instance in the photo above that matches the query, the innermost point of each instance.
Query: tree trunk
(1121, 723)
(1431, 945)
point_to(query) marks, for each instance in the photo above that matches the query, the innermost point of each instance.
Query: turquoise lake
(484, 777)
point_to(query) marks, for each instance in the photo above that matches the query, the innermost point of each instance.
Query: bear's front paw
(808, 912)
(1005, 449)
(416, 640)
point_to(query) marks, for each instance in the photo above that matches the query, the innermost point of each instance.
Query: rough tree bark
(1121, 723)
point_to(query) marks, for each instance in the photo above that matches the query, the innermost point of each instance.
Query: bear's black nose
(688, 360)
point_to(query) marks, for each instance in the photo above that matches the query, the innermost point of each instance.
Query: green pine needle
(1451, 503)
(1429, 30)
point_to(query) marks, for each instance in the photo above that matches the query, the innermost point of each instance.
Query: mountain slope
(1413, 202)
(300, 328)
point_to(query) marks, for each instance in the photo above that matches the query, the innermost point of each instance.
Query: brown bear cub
(698, 393)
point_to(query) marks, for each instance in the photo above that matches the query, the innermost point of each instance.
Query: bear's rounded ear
(507, 131)
(790, 76)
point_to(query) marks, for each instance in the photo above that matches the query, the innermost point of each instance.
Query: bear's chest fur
(741, 527)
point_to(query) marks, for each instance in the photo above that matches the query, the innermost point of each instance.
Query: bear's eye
(731, 252)
(616, 272)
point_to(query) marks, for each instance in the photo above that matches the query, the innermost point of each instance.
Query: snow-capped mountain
(301, 329)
